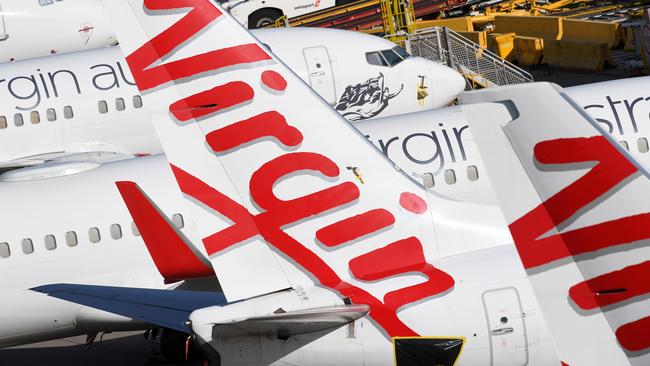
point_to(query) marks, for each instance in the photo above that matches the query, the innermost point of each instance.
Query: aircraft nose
(443, 83)
(447, 84)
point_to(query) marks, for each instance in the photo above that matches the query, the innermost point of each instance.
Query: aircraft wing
(52, 159)
(172, 309)
(165, 308)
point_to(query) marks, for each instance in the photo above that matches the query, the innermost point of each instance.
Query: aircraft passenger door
(3, 26)
(506, 326)
(319, 68)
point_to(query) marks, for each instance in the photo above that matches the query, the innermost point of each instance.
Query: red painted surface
(202, 14)
(260, 126)
(275, 213)
(634, 335)
(611, 169)
(398, 258)
(355, 227)
(617, 286)
(171, 254)
(211, 101)
(274, 80)
(412, 203)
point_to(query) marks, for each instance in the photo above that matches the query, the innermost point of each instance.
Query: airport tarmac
(124, 348)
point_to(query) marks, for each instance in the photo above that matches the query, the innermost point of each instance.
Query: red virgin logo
(611, 170)
(399, 257)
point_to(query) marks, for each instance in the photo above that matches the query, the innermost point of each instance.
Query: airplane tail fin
(284, 193)
(577, 204)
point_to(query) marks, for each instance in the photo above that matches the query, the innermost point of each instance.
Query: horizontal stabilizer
(166, 308)
(287, 324)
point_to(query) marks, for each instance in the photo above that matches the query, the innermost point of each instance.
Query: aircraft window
(374, 58)
(67, 112)
(391, 57)
(3, 122)
(93, 235)
(472, 173)
(642, 144)
(428, 180)
(5, 252)
(71, 239)
(401, 52)
(28, 246)
(625, 145)
(178, 221)
(45, 2)
(102, 106)
(50, 242)
(137, 101)
(18, 119)
(35, 117)
(134, 229)
(51, 114)
(450, 176)
(116, 231)
(119, 104)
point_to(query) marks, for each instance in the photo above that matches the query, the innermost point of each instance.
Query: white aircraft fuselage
(78, 209)
(439, 142)
(87, 101)
(30, 29)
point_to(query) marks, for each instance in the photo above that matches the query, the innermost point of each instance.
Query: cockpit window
(401, 52)
(374, 58)
(391, 57)
(387, 57)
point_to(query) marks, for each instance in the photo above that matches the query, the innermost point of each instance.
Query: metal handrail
(448, 47)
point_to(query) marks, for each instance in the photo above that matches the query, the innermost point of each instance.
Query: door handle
(318, 73)
(501, 331)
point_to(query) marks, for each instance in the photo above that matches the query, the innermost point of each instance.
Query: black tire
(263, 17)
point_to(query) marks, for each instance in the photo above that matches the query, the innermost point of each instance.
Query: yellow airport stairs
(480, 67)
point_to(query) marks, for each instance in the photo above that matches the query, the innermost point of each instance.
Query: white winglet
(577, 205)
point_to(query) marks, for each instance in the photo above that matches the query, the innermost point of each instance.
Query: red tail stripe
(613, 287)
(213, 100)
(243, 225)
(399, 258)
(202, 14)
(191, 66)
(634, 336)
(413, 203)
(589, 239)
(612, 168)
(270, 225)
(269, 174)
(171, 254)
(355, 227)
(267, 124)
(273, 80)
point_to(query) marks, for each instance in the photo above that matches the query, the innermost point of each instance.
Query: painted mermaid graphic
(365, 100)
